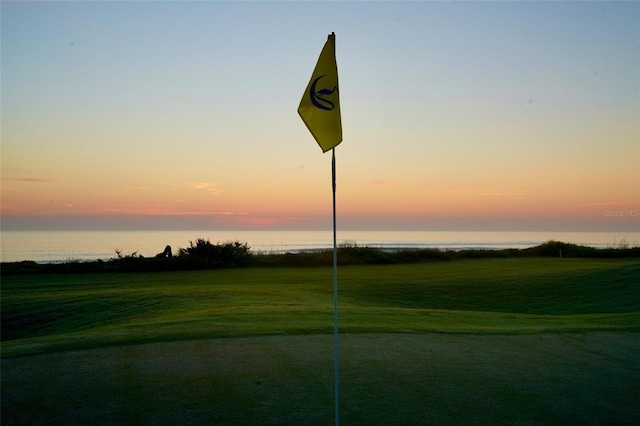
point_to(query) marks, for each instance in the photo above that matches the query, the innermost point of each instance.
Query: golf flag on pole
(320, 104)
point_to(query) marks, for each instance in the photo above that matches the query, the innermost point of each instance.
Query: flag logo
(320, 104)
(317, 97)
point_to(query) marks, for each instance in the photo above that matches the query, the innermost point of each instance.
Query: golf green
(391, 379)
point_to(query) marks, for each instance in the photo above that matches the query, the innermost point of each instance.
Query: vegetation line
(202, 254)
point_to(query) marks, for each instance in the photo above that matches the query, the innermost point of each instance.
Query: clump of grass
(561, 249)
(623, 245)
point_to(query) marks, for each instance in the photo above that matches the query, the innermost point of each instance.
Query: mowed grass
(49, 313)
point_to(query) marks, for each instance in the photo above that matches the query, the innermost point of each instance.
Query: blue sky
(455, 114)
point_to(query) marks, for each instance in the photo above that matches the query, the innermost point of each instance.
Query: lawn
(486, 341)
(385, 379)
(48, 313)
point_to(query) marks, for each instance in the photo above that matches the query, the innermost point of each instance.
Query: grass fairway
(48, 313)
(491, 341)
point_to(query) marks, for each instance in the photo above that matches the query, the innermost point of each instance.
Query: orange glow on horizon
(541, 200)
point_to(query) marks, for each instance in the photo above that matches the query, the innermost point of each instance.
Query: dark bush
(203, 254)
(422, 255)
(363, 255)
(23, 267)
(559, 249)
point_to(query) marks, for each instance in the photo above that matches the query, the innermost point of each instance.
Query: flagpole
(335, 288)
(320, 110)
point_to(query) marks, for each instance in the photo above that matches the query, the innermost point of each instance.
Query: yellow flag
(320, 104)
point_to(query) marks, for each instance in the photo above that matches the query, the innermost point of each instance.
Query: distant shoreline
(74, 246)
(207, 255)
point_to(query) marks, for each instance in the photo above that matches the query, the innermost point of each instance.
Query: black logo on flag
(317, 97)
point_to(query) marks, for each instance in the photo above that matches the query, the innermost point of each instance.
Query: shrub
(203, 254)
(363, 255)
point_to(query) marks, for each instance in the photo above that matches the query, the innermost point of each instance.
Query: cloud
(380, 182)
(157, 212)
(500, 194)
(27, 179)
(137, 188)
(466, 192)
(609, 203)
(210, 187)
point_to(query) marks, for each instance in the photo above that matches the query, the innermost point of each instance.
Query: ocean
(63, 246)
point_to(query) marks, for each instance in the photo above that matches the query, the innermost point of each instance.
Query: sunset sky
(456, 115)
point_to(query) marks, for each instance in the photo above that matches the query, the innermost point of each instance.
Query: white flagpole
(335, 289)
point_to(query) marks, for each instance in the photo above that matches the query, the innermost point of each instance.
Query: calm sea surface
(56, 246)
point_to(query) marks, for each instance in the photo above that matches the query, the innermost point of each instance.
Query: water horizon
(64, 246)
